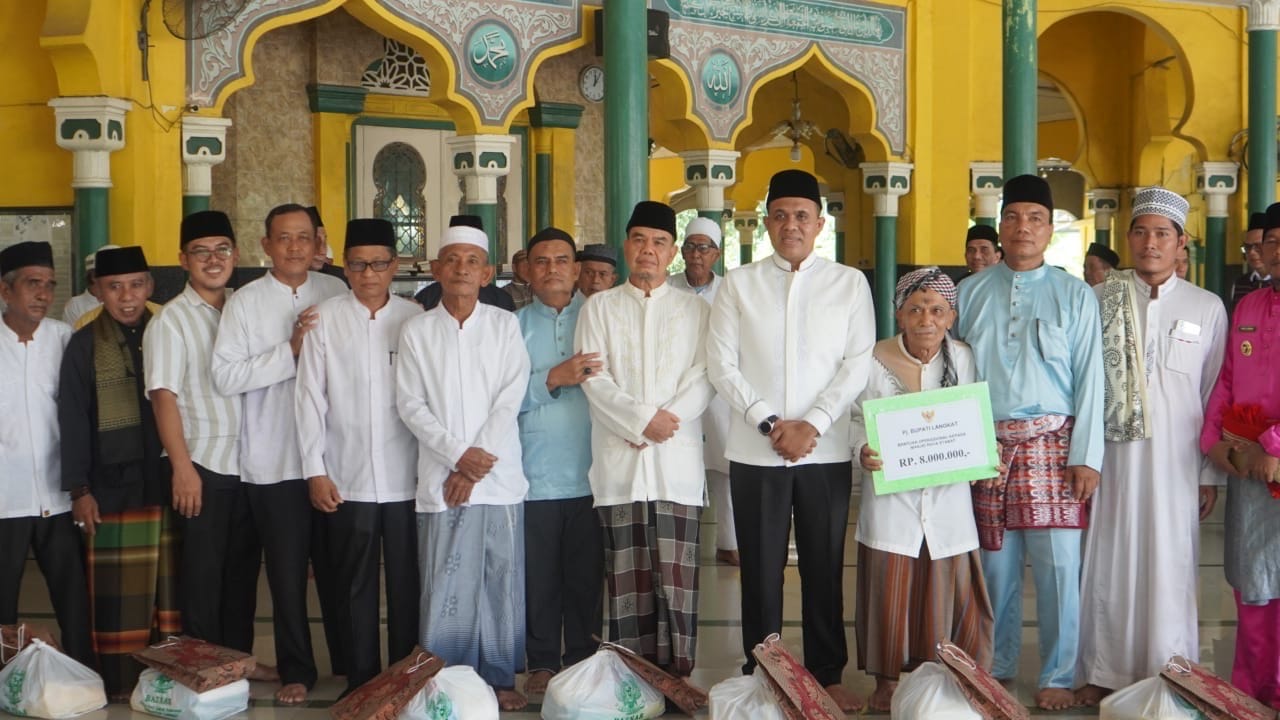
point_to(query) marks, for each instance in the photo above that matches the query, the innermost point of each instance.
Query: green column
(488, 214)
(1262, 123)
(886, 275)
(1020, 63)
(1195, 259)
(194, 204)
(840, 246)
(1102, 236)
(988, 221)
(626, 116)
(92, 226)
(542, 189)
(1215, 251)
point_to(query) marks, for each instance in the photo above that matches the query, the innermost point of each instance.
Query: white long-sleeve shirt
(252, 357)
(715, 421)
(653, 358)
(31, 479)
(792, 344)
(345, 400)
(461, 387)
(941, 516)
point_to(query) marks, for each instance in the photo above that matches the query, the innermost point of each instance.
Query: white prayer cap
(91, 259)
(466, 235)
(1159, 201)
(704, 226)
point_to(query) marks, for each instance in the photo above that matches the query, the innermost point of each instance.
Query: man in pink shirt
(1252, 554)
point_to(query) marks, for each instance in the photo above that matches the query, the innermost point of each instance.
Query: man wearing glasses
(200, 431)
(701, 250)
(1257, 275)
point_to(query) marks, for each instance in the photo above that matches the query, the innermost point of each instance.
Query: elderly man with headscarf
(919, 568)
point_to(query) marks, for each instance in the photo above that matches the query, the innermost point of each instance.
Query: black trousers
(282, 517)
(330, 594)
(220, 562)
(564, 581)
(59, 552)
(764, 499)
(359, 534)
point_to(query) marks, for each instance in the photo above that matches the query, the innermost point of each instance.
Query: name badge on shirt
(1247, 328)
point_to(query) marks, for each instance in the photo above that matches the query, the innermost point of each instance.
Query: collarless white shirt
(252, 357)
(940, 516)
(77, 306)
(31, 478)
(653, 354)
(462, 387)
(177, 349)
(792, 344)
(345, 400)
(715, 421)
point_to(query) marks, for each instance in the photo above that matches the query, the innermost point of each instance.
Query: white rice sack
(744, 698)
(601, 687)
(455, 693)
(930, 693)
(1150, 699)
(160, 695)
(42, 682)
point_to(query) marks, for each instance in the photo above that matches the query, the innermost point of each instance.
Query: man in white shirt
(255, 355)
(789, 349)
(200, 430)
(647, 401)
(35, 513)
(701, 250)
(462, 375)
(357, 455)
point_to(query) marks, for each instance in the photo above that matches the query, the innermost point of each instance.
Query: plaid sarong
(651, 564)
(907, 605)
(132, 563)
(1035, 494)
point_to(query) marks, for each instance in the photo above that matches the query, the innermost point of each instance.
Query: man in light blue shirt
(564, 550)
(1036, 336)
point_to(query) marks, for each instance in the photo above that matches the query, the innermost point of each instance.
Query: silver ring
(80, 524)
(586, 371)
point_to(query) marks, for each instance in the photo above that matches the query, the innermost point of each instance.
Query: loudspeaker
(658, 27)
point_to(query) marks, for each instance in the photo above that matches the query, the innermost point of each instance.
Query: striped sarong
(651, 563)
(471, 562)
(1035, 494)
(132, 564)
(907, 605)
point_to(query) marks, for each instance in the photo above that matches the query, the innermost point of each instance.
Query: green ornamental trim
(900, 181)
(1105, 204)
(989, 181)
(555, 115)
(91, 128)
(210, 146)
(695, 172)
(722, 172)
(493, 159)
(464, 160)
(115, 130)
(1221, 181)
(342, 99)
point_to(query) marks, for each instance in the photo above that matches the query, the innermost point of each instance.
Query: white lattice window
(401, 70)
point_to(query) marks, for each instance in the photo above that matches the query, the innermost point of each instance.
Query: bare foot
(1090, 695)
(883, 696)
(264, 673)
(536, 683)
(846, 700)
(509, 700)
(292, 694)
(728, 557)
(1055, 699)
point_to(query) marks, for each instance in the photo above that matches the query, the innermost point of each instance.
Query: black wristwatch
(766, 426)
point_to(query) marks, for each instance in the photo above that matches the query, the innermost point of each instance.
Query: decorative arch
(400, 176)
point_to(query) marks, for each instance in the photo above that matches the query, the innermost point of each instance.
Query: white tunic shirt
(792, 344)
(940, 516)
(77, 306)
(252, 357)
(654, 358)
(461, 387)
(30, 462)
(348, 425)
(715, 421)
(177, 349)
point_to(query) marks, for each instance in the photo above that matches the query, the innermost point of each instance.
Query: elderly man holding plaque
(1163, 339)
(1038, 342)
(919, 571)
(1242, 437)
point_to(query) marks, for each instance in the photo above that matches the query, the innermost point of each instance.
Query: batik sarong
(907, 605)
(132, 564)
(651, 563)
(471, 562)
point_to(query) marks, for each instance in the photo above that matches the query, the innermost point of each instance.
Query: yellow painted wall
(38, 172)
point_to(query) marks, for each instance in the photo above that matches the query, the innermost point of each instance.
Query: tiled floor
(719, 643)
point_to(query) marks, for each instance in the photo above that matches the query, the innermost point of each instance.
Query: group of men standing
(505, 468)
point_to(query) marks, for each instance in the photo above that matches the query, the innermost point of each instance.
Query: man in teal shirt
(564, 551)
(1037, 338)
